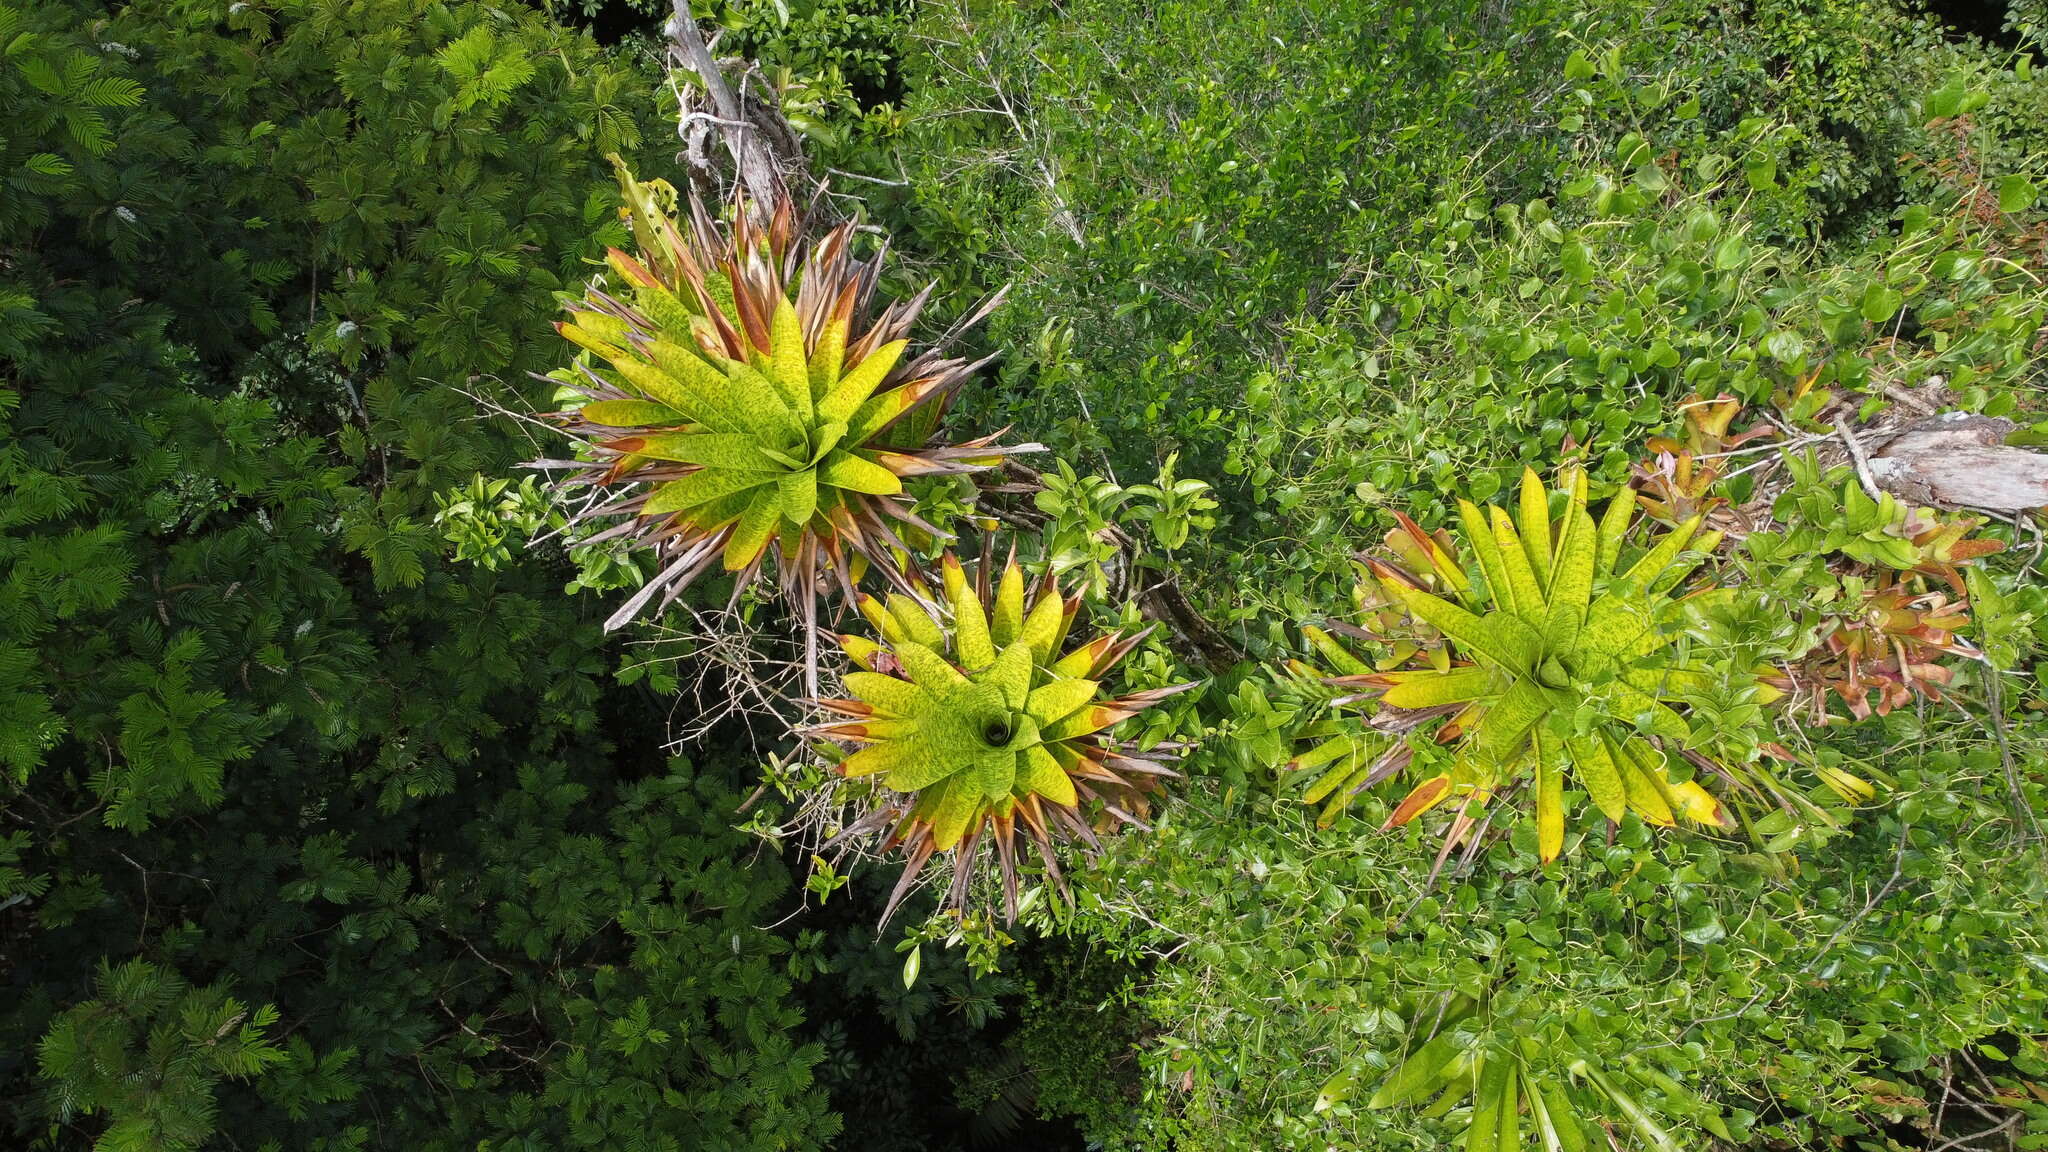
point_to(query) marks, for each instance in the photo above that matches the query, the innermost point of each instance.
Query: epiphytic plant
(971, 728)
(746, 402)
(1559, 657)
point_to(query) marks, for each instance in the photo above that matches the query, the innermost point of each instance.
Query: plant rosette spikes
(739, 392)
(1344, 755)
(973, 728)
(1561, 659)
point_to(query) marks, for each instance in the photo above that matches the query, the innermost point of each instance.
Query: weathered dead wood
(763, 147)
(1960, 460)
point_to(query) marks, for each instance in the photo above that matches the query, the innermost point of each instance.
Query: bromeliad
(746, 405)
(1560, 659)
(969, 726)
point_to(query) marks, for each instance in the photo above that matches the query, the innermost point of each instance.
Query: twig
(1994, 1130)
(1994, 700)
(707, 118)
(750, 155)
(811, 641)
(1948, 1089)
(1898, 870)
(1862, 460)
(868, 179)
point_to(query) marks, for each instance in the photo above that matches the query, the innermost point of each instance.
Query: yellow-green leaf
(861, 650)
(1010, 674)
(734, 450)
(857, 386)
(587, 338)
(1339, 659)
(1614, 625)
(799, 491)
(1480, 537)
(1510, 1138)
(1534, 521)
(888, 695)
(1524, 590)
(665, 308)
(927, 669)
(684, 381)
(630, 413)
(1702, 546)
(762, 402)
(1634, 705)
(1660, 556)
(855, 474)
(1563, 1121)
(1593, 764)
(786, 366)
(994, 772)
(1644, 793)
(1613, 527)
(871, 417)
(912, 622)
(1548, 787)
(1339, 785)
(970, 625)
(1697, 804)
(1341, 1085)
(1041, 629)
(1416, 1075)
(1483, 1134)
(1571, 581)
(1335, 747)
(956, 809)
(1056, 700)
(1508, 720)
(946, 751)
(826, 357)
(1082, 721)
(1429, 689)
(1498, 637)
(757, 525)
(888, 756)
(1042, 774)
(1081, 661)
(1009, 613)
(700, 488)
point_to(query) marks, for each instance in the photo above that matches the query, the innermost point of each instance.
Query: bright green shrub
(1683, 221)
(1297, 951)
(1166, 186)
(147, 1054)
(1534, 328)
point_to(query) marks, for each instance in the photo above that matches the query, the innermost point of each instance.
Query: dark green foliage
(1079, 1040)
(259, 737)
(950, 1061)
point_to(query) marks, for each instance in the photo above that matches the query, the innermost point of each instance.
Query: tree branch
(758, 171)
